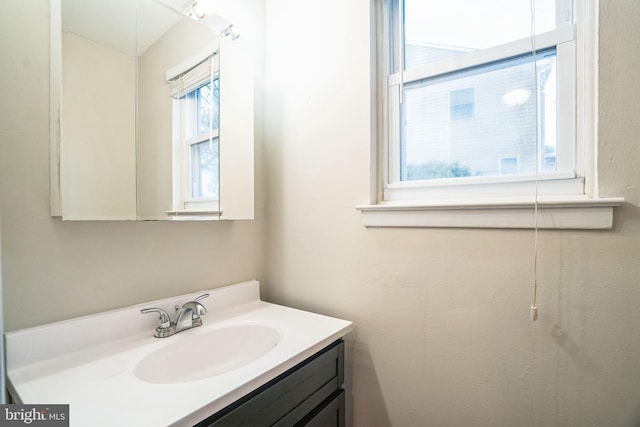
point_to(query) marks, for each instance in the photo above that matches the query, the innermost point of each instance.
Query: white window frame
(567, 199)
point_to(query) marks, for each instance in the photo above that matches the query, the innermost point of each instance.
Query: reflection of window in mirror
(196, 94)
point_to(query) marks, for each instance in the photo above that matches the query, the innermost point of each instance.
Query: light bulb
(200, 8)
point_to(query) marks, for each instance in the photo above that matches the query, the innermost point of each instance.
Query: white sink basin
(206, 354)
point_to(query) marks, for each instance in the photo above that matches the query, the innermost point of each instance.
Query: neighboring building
(480, 122)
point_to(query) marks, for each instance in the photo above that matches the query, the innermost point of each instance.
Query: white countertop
(88, 362)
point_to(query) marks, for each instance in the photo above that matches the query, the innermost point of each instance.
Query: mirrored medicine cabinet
(152, 109)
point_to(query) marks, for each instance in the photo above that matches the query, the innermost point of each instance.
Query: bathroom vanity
(250, 363)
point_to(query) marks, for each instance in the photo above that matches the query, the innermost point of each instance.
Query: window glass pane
(436, 29)
(204, 169)
(207, 107)
(482, 121)
(509, 165)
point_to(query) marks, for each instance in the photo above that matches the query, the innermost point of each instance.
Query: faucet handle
(199, 308)
(165, 328)
(203, 296)
(165, 320)
(196, 308)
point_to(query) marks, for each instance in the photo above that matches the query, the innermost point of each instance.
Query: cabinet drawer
(291, 396)
(329, 414)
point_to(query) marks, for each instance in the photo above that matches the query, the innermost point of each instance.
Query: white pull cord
(534, 307)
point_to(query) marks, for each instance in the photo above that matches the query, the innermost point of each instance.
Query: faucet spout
(185, 320)
(189, 317)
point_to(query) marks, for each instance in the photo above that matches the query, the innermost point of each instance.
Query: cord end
(534, 313)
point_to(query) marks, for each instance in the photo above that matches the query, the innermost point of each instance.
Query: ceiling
(114, 23)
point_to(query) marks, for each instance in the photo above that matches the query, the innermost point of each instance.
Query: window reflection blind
(193, 78)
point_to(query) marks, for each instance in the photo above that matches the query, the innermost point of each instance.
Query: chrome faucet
(188, 318)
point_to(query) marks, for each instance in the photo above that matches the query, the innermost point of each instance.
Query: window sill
(578, 213)
(194, 215)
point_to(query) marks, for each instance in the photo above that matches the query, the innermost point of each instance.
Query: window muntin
(490, 125)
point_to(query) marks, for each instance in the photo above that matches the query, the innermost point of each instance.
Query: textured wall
(54, 270)
(443, 333)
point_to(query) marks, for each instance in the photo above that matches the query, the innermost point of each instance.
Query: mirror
(155, 110)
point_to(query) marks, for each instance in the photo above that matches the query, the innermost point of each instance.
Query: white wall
(98, 128)
(55, 270)
(443, 335)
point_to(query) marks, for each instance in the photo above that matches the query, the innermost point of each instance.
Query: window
(484, 103)
(196, 176)
(462, 104)
(508, 165)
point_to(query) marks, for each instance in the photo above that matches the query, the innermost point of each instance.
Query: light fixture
(203, 11)
(516, 97)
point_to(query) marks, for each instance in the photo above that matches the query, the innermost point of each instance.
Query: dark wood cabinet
(309, 394)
